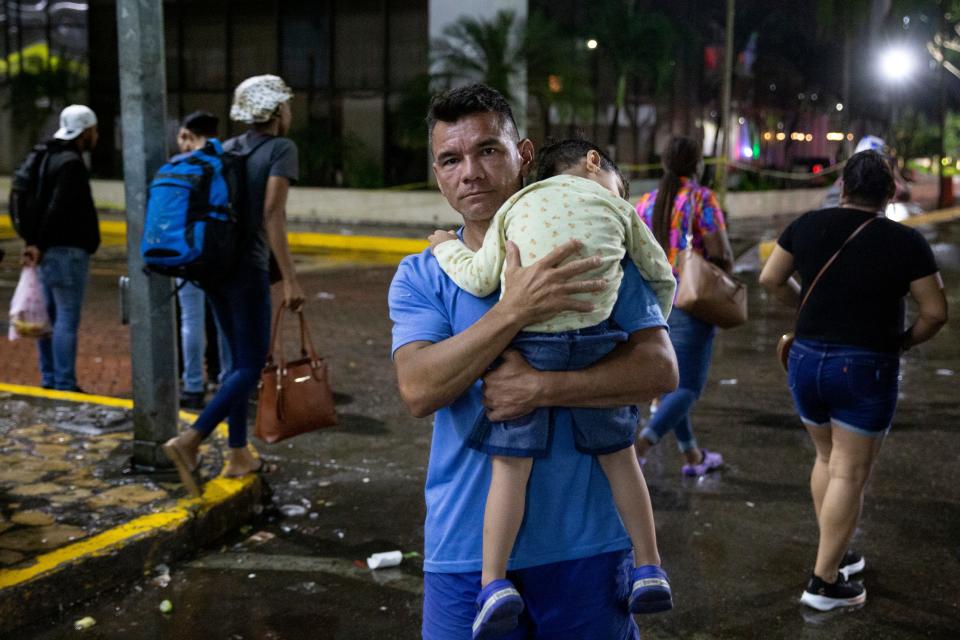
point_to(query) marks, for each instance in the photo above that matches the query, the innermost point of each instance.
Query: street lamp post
(896, 66)
(152, 325)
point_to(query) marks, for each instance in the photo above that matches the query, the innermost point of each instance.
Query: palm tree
(473, 50)
(498, 51)
(637, 45)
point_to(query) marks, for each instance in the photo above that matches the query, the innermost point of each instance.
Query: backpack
(196, 225)
(191, 229)
(26, 200)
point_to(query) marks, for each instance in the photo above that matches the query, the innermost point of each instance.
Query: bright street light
(591, 44)
(897, 63)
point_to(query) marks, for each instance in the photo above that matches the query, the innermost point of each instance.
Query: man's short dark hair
(453, 104)
(557, 157)
(201, 123)
(868, 179)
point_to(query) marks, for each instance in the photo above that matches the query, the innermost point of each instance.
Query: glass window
(171, 43)
(359, 42)
(305, 43)
(408, 41)
(254, 39)
(204, 50)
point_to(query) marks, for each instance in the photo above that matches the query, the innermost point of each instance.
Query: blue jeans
(242, 307)
(63, 271)
(595, 431)
(853, 387)
(692, 341)
(193, 337)
(583, 599)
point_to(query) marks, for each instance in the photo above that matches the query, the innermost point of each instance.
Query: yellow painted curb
(113, 233)
(215, 491)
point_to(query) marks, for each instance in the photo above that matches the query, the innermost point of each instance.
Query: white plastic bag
(28, 308)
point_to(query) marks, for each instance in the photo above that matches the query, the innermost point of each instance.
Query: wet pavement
(65, 475)
(738, 544)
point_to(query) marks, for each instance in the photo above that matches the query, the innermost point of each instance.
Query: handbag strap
(830, 262)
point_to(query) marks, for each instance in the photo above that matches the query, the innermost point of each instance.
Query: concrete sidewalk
(75, 521)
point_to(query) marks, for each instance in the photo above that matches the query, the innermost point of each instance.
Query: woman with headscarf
(856, 267)
(683, 213)
(242, 302)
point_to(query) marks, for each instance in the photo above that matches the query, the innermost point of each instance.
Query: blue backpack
(193, 228)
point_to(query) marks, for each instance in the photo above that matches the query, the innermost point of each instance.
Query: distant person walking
(242, 302)
(67, 233)
(197, 128)
(856, 267)
(683, 213)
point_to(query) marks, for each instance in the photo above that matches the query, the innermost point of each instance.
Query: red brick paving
(103, 350)
(343, 329)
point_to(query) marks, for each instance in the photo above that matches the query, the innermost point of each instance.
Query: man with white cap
(66, 235)
(242, 302)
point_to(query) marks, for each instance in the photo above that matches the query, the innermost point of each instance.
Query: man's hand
(31, 256)
(511, 389)
(543, 289)
(440, 236)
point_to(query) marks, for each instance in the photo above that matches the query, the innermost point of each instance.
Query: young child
(578, 195)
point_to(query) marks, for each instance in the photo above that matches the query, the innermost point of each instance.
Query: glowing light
(741, 120)
(809, 137)
(897, 63)
(555, 83)
(746, 152)
(781, 136)
(839, 106)
(591, 44)
(767, 135)
(849, 136)
(835, 136)
(946, 161)
(817, 168)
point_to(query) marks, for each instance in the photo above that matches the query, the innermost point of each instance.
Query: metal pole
(152, 327)
(725, 110)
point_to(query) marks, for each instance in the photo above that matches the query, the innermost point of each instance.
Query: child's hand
(440, 236)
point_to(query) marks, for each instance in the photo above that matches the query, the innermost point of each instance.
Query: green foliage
(41, 89)
(915, 135)
(361, 170)
(319, 152)
(557, 70)
(481, 50)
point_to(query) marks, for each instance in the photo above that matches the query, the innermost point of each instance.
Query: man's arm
(433, 375)
(636, 371)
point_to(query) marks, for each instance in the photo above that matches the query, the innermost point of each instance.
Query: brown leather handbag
(786, 340)
(709, 293)
(295, 396)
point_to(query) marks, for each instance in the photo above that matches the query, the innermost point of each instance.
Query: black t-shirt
(860, 298)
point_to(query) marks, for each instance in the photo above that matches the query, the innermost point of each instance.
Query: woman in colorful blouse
(678, 212)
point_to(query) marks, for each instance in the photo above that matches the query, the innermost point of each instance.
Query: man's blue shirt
(570, 512)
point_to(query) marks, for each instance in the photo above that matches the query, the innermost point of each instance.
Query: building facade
(359, 69)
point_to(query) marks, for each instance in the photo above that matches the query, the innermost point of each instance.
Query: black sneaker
(851, 564)
(192, 400)
(824, 596)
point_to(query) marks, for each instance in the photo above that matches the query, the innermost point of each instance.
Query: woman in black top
(844, 365)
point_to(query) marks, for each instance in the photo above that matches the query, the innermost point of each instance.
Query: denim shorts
(584, 599)
(853, 387)
(595, 431)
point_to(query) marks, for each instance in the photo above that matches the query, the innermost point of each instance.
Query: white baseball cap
(74, 120)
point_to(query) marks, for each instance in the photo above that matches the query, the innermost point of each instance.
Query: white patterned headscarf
(256, 99)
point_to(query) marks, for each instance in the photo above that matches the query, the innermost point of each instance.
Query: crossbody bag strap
(830, 261)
